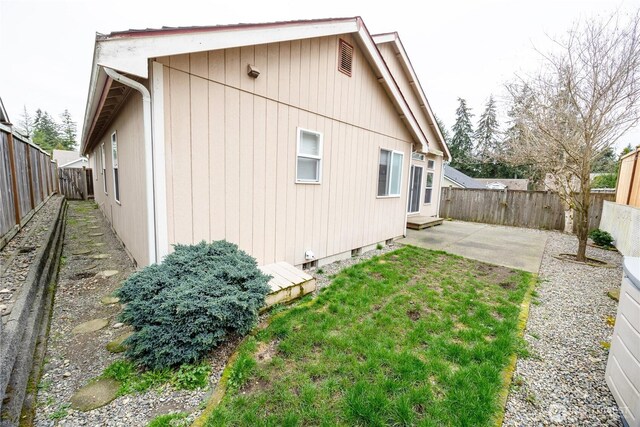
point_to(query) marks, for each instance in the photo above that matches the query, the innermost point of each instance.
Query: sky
(459, 48)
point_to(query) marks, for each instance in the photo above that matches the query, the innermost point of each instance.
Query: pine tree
(488, 132)
(46, 133)
(461, 146)
(26, 123)
(68, 131)
(487, 139)
(443, 130)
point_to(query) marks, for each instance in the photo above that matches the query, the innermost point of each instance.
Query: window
(389, 173)
(103, 166)
(114, 164)
(430, 164)
(345, 57)
(428, 187)
(417, 156)
(309, 161)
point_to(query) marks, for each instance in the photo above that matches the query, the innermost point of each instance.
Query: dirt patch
(414, 315)
(266, 351)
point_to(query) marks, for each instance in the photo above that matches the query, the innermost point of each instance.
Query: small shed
(70, 159)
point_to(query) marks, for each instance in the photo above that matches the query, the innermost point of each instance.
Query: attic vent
(345, 57)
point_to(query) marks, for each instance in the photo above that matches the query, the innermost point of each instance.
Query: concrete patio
(513, 247)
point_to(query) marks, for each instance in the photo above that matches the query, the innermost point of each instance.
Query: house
(4, 117)
(504, 183)
(295, 140)
(454, 178)
(70, 159)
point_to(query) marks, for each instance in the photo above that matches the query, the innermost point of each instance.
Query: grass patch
(411, 337)
(170, 420)
(134, 380)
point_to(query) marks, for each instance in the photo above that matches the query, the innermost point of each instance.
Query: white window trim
(307, 156)
(103, 169)
(433, 180)
(390, 196)
(419, 188)
(113, 168)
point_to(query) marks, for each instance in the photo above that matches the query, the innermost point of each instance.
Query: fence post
(503, 206)
(14, 178)
(84, 184)
(30, 172)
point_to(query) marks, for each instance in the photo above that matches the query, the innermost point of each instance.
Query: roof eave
(394, 38)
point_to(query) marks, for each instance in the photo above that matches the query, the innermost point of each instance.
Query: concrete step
(419, 222)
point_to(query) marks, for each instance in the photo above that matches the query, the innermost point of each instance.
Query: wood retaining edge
(222, 386)
(507, 373)
(22, 332)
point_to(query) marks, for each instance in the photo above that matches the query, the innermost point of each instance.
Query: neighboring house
(4, 117)
(70, 159)
(504, 183)
(293, 140)
(454, 178)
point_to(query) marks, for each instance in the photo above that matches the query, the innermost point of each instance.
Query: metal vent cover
(345, 57)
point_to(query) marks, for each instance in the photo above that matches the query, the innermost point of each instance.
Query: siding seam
(300, 108)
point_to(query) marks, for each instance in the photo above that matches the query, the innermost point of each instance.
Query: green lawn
(415, 337)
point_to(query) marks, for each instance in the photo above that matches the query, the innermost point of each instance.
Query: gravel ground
(17, 255)
(562, 383)
(73, 360)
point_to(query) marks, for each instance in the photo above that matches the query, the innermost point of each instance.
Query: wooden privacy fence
(628, 190)
(76, 183)
(530, 209)
(28, 177)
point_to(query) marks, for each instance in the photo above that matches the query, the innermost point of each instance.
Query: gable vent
(345, 57)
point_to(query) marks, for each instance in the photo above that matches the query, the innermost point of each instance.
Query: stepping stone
(117, 346)
(95, 394)
(108, 300)
(94, 227)
(107, 273)
(98, 244)
(90, 326)
(100, 256)
(82, 252)
(614, 294)
(96, 234)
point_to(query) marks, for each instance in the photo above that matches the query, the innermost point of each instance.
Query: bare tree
(586, 96)
(26, 123)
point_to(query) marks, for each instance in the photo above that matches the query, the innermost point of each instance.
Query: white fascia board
(81, 159)
(381, 67)
(415, 82)
(129, 54)
(97, 83)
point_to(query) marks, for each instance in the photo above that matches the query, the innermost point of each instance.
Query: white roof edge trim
(81, 159)
(394, 38)
(130, 54)
(369, 44)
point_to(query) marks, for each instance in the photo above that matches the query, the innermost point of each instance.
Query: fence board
(74, 183)
(33, 174)
(530, 209)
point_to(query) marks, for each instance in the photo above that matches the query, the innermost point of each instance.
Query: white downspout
(148, 156)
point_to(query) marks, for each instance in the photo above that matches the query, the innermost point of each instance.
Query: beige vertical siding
(389, 54)
(128, 218)
(231, 145)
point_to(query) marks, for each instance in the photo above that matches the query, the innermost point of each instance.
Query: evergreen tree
(26, 123)
(607, 162)
(461, 146)
(443, 130)
(487, 133)
(46, 133)
(68, 131)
